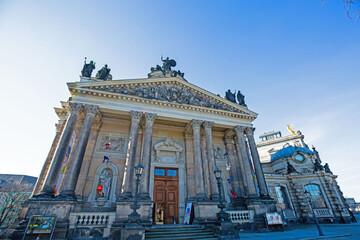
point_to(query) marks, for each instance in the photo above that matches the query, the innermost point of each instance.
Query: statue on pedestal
(230, 96)
(104, 73)
(241, 99)
(87, 69)
(168, 63)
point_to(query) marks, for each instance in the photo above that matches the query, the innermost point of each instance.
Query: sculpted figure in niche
(87, 69)
(105, 183)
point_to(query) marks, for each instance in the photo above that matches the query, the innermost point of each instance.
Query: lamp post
(222, 216)
(134, 217)
(308, 195)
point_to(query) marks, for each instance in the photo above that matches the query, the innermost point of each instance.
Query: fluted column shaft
(211, 158)
(246, 162)
(146, 157)
(68, 188)
(257, 164)
(236, 169)
(130, 155)
(199, 171)
(48, 188)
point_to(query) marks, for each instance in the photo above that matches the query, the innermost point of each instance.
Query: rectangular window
(159, 172)
(172, 172)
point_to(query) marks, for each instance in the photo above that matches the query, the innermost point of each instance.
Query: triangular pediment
(174, 90)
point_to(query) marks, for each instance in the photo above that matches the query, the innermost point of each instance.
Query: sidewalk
(331, 231)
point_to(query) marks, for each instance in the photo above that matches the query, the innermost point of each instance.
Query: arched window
(316, 197)
(282, 197)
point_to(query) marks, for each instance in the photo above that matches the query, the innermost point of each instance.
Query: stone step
(180, 234)
(177, 230)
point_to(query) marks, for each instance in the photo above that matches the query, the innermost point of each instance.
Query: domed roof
(289, 151)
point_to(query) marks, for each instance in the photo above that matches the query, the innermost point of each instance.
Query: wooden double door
(166, 196)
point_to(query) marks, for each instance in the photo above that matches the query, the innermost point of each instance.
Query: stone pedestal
(133, 233)
(123, 210)
(226, 230)
(260, 207)
(205, 212)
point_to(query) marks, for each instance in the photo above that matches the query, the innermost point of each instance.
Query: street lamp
(134, 217)
(222, 216)
(308, 197)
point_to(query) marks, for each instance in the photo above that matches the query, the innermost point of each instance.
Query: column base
(125, 196)
(44, 195)
(202, 197)
(144, 196)
(215, 197)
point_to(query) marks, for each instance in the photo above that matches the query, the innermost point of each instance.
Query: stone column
(235, 170)
(190, 165)
(211, 159)
(50, 182)
(257, 164)
(45, 168)
(246, 162)
(68, 188)
(240, 163)
(129, 169)
(199, 171)
(146, 156)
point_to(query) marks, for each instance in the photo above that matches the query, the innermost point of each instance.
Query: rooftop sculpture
(231, 97)
(87, 69)
(165, 70)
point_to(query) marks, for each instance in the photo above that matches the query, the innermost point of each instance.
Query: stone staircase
(179, 232)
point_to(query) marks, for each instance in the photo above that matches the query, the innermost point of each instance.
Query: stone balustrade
(241, 216)
(91, 219)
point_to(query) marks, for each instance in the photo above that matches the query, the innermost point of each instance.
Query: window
(316, 197)
(159, 172)
(282, 197)
(171, 172)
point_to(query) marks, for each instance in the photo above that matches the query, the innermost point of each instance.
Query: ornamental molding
(170, 92)
(168, 145)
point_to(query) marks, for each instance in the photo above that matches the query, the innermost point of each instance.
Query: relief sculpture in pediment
(170, 93)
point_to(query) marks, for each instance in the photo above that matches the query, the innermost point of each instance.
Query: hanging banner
(64, 163)
(187, 213)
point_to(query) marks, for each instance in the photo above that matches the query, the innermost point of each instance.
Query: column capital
(135, 115)
(91, 109)
(249, 131)
(75, 107)
(195, 123)
(239, 130)
(150, 117)
(208, 125)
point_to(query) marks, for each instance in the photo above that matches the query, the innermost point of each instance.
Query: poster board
(273, 218)
(41, 224)
(187, 213)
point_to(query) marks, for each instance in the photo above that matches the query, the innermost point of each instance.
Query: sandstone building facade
(178, 131)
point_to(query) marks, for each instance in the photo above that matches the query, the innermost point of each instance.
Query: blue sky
(295, 61)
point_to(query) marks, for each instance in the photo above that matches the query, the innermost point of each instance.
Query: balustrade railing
(93, 219)
(323, 212)
(241, 216)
